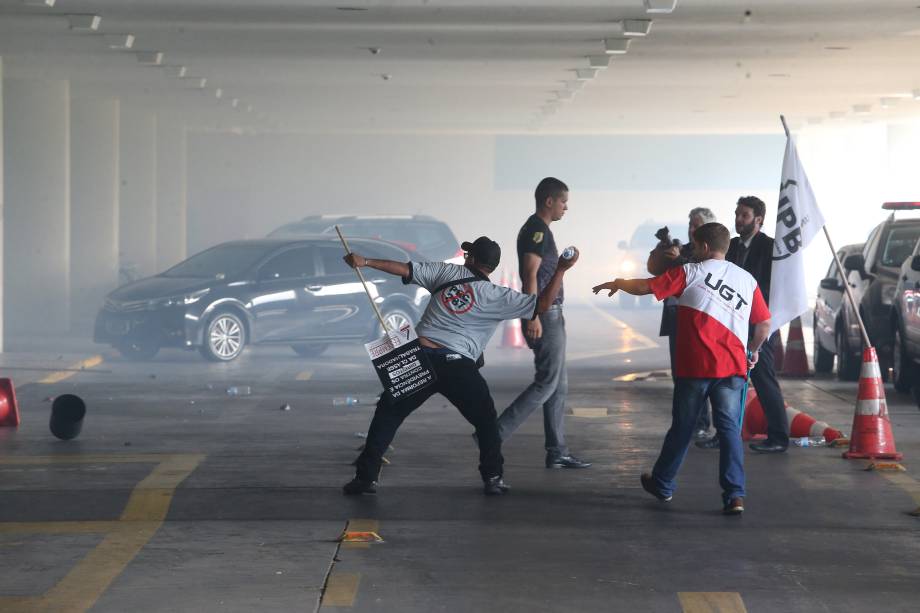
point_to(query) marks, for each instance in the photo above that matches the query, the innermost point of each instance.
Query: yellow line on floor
(711, 602)
(305, 375)
(341, 590)
(33, 460)
(143, 515)
(57, 377)
(360, 525)
(631, 339)
(906, 483)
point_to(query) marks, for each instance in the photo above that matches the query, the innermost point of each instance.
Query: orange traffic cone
(800, 424)
(755, 422)
(9, 409)
(795, 362)
(872, 437)
(779, 354)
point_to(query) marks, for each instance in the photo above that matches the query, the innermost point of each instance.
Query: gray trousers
(549, 388)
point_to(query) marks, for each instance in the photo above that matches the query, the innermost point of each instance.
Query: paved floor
(178, 497)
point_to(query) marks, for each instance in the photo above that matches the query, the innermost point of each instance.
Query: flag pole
(383, 322)
(843, 279)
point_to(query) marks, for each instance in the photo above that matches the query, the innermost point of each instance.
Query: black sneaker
(357, 486)
(649, 486)
(494, 486)
(735, 506)
(701, 434)
(565, 461)
(709, 443)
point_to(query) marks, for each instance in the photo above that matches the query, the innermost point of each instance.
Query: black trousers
(771, 398)
(460, 382)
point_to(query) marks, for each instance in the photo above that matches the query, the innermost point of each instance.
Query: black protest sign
(401, 363)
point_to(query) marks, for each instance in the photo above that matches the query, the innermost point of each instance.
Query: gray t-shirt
(463, 317)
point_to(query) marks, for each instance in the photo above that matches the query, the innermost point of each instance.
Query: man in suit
(752, 250)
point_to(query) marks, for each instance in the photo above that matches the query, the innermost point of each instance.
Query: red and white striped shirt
(717, 303)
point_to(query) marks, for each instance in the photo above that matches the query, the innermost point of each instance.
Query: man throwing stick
(717, 301)
(463, 313)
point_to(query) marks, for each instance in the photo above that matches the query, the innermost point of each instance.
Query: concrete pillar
(36, 242)
(171, 193)
(94, 205)
(137, 215)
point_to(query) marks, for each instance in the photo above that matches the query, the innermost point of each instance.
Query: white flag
(798, 219)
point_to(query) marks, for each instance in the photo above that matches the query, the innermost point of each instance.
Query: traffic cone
(755, 422)
(9, 409)
(872, 437)
(779, 354)
(802, 424)
(795, 362)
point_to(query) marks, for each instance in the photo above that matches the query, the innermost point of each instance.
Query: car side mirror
(623, 245)
(831, 283)
(915, 263)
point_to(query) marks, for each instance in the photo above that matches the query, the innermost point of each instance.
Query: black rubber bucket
(67, 413)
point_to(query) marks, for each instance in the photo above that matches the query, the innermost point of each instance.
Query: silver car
(830, 325)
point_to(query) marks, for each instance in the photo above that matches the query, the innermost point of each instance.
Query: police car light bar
(901, 206)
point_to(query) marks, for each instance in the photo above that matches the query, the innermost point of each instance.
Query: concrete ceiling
(484, 66)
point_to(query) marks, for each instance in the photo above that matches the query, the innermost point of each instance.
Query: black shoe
(701, 434)
(494, 486)
(649, 486)
(735, 506)
(767, 446)
(565, 461)
(357, 486)
(709, 443)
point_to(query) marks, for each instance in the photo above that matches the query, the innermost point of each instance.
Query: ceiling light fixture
(636, 27)
(862, 109)
(235, 102)
(888, 103)
(218, 93)
(84, 23)
(837, 114)
(599, 61)
(616, 46)
(574, 85)
(832, 48)
(119, 41)
(660, 6)
(153, 58)
(917, 94)
(199, 82)
(585, 74)
(178, 72)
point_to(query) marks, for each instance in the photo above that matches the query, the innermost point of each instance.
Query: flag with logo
(798, 220)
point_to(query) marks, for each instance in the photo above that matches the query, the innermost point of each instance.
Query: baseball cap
(486, 251)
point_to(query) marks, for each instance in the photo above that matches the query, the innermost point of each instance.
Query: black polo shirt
(535, 237)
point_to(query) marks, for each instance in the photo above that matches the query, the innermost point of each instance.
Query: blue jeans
(689, 401)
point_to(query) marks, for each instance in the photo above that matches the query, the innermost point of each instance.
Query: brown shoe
(735, 506)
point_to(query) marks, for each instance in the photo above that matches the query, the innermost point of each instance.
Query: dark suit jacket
(759, 260)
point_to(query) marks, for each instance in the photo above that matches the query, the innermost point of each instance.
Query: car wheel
(224, 338)
(824, 359)
(904, 370)
(309, 350)
(396, 318)
(138, 350)
(847, 365)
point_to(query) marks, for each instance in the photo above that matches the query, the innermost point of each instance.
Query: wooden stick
(383, 322)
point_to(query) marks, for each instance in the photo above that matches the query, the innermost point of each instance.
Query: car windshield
(900, 244)
(219, 262)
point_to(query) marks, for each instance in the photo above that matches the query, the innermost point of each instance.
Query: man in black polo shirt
(537, 258)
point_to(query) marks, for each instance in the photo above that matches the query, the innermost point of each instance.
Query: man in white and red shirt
(717, 302)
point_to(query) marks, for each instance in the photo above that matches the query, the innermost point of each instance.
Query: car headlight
(628, 266)
(182, 300)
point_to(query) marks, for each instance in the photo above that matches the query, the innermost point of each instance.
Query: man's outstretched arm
(636, 287)
(400, 269)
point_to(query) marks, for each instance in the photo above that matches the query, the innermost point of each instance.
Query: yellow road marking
(143, 515)
(908, 484)
(590, 412)
(637, 376)
(360, 525)
(57, 377)
(305, 375)
(86, 459)
(341, 590)
(711, 602)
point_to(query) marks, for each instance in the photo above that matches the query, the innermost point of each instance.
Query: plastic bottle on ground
(806, 441)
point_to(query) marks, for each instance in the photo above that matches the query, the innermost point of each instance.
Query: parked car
(873, 278)
(906, 326)
(424, 237)
(635, 254)
(829, 319)
(293, 292)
